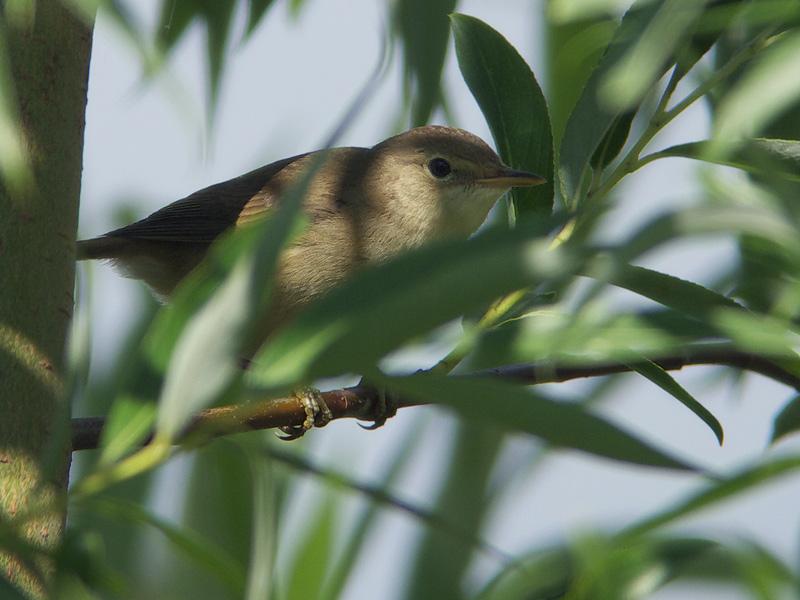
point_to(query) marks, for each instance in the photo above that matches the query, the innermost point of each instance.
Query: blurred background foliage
(251, 517)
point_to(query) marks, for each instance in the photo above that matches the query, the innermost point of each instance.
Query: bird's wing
(204, 215)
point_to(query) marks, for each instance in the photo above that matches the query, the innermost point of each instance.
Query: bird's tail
(100, 247)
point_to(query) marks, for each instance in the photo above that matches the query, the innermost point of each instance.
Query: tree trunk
(49, 61)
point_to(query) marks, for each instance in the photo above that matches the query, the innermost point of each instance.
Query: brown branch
(362, 402)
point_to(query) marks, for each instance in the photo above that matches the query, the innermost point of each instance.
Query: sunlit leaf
(513, 408)
(512, 103)
(768, 87)
(586, 339)
(686, 296)
(591, 119)
(573, 49)
(629, 79)
(666, 382)
(207, 357)
(127, 425)
(762, 156)
(403, 298)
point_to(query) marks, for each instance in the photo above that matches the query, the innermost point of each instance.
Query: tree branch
(362, 402)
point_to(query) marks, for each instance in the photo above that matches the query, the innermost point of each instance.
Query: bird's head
(446, 172)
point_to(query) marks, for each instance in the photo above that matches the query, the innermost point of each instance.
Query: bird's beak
(506, 178)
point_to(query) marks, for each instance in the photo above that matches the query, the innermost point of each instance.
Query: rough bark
(49, 62)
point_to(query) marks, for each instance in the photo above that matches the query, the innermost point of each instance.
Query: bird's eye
(439, 168)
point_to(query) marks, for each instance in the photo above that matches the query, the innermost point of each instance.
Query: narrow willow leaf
(666, 382)
(206, 360)
(514, 408)
(760, 334)
(725, 218)
(440, 563)
(787, 421)
(761, 156)
(613, 141)
(344, 564)
(513, 104)
(127, 426)
(205, 553)
(750, 479)
(768, 87)
(264, 525)
(257, 10)
(177, 15)
(685, 296)
(591, 119)
(573, 49)
(403, 298)
(424, 31)
(632, 569)
(566, 339)
(643, 65)
(315, 547)
(539, 575)
(384, 498)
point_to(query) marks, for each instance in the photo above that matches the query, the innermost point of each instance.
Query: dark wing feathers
(204, 215)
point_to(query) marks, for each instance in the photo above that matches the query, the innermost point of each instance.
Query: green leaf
(645, 62)
(177, 15)
(256, 10)
(127, 426)
(345, 561)
(512, 102)
(787, 421)
(565, 339)
(685, 296)
(203, 552)
(266, 494)
(424, 29)
(753, 478)
(384, 498)
(207, 356)
(761, 156)
(572, 51)
(760, 334)
(315, 547)
(591, 119)
(515, 409)
(768, 87)
(441, 562)
(403, 298)
(666, 382)
(613, 141)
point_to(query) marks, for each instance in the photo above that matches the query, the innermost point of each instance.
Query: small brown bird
(363, 205)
